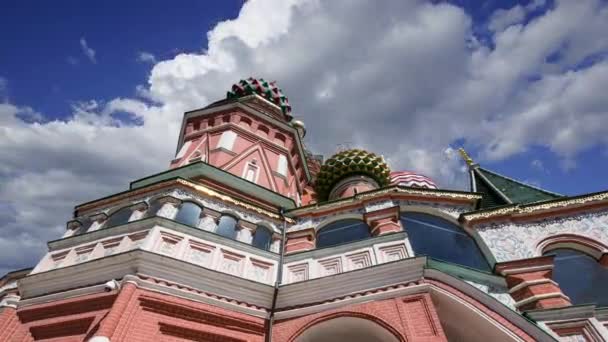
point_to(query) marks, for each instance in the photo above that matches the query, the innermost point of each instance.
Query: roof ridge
(521, 183)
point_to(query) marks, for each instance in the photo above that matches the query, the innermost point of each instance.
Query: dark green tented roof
(501, 190)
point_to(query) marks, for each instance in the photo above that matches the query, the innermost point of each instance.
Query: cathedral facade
(248, 236)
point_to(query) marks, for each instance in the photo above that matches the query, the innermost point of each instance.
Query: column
(108, 325)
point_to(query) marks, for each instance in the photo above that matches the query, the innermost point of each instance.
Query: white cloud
(403, 79)
(502, 19)
(146, 57)
(90, 53)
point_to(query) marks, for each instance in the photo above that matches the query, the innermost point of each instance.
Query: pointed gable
(237, 165)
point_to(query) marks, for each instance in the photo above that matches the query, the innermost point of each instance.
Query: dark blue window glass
(85, 224)
(342, 232)
(262, 238)
(227, 226)
(153, 208)
(580, 277)
(443, 240)
(189, 213)
(119, 217)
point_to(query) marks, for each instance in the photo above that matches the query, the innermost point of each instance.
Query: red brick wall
(410, 318)
(68, 320)
(151, 316)
(138, 316)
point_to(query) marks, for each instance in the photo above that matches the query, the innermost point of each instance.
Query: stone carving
(199, 256)
(331, 266)
(393, 253)
(500, 294)
(513, 241)
(359, 260)
(298, 272)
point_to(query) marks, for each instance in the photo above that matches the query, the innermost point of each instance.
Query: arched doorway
(351, 329)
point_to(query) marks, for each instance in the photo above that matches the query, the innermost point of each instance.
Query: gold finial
(466, 156)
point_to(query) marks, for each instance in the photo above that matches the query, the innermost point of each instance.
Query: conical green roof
(348, 163)
(502, 190)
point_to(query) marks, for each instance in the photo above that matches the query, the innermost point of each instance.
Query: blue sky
(91, 94)
(44, 62)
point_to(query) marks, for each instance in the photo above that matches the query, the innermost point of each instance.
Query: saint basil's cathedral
(248, 236)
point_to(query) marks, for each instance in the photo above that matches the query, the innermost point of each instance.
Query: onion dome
(412, 179)
(268, 90)
(350, 163)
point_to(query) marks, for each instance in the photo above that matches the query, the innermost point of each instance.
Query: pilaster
(383, 221)
(530, 283)
(302, 240)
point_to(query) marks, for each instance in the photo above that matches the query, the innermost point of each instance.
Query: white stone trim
(526, 269)
(539, 297)
(527, 283)
(393, 293)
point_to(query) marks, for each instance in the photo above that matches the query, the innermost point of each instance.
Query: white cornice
(332, 287)
(152, 222)
(149, 264)
(380, 295)
(564, 313)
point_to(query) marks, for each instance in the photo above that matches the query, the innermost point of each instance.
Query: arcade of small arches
(189, 213)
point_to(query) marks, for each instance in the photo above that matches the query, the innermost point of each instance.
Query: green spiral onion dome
(349, 163)
(268, 90)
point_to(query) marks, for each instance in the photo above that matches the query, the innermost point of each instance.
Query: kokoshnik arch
(249, 236)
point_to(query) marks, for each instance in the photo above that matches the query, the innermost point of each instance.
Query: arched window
(189, 213)
(441, 239)
(85, 224)
(343, 231)
(153, 208)
(119, 217)
(262, 238)
(227, 226)
(580, 276)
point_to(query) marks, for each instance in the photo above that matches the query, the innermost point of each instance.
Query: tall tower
(250, 237)
(251, 134)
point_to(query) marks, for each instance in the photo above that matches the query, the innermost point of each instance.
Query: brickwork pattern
(401, 316)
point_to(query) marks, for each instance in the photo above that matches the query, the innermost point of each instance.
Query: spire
(499, 190)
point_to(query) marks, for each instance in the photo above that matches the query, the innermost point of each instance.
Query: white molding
(539, 297)
(393, 293)
(527, 283)
(331, 287)
(149, 264)
(526, 269)
(563, 313)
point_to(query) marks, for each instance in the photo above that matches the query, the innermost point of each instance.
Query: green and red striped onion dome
(350, 163)
(268, 90)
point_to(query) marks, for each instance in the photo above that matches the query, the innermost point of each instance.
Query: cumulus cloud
(88, 52)
(407, 82)
(146, 57)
